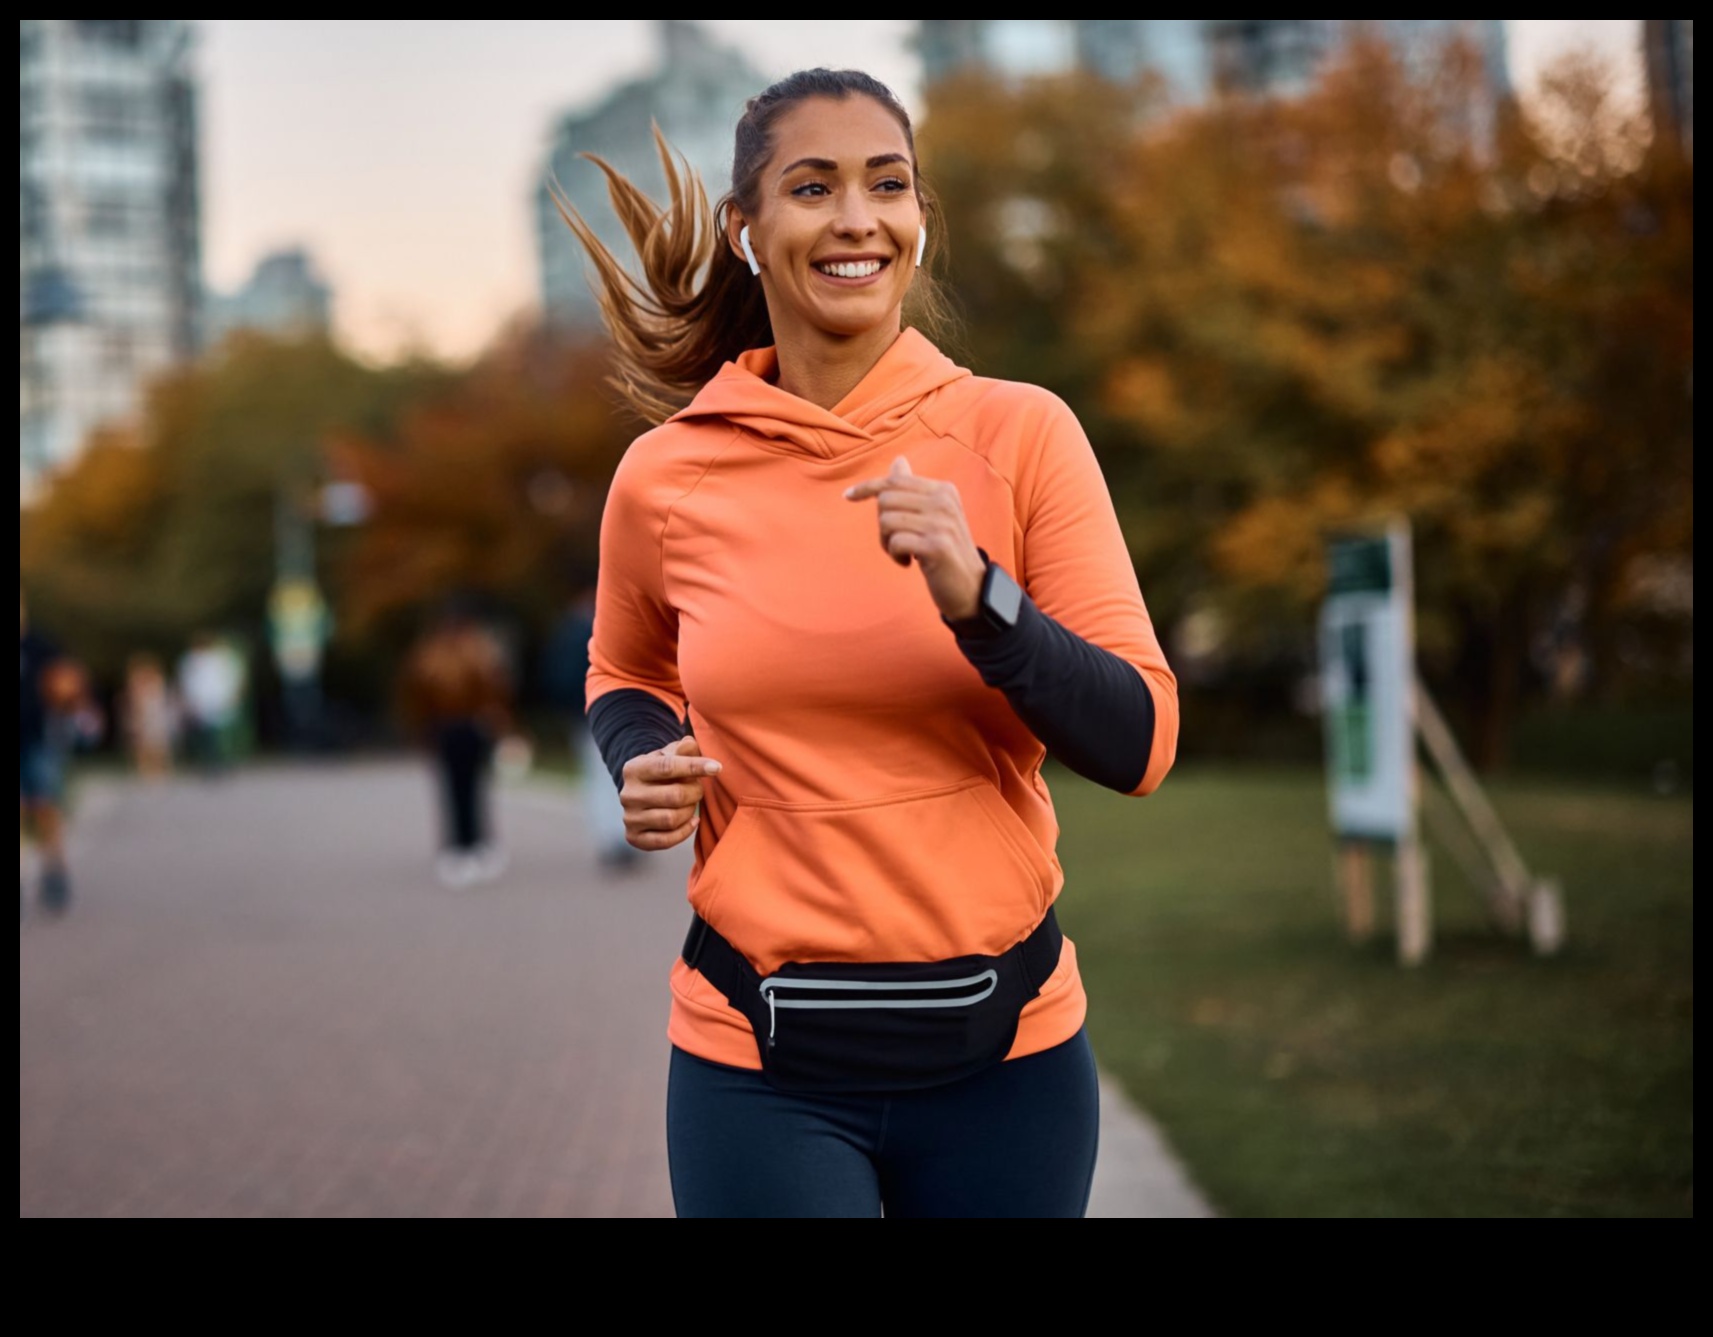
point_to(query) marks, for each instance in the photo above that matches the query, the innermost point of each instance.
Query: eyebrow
(828, 165)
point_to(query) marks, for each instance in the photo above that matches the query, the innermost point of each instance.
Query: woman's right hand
(661, 792)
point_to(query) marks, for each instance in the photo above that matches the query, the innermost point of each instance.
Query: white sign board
(1367, 672)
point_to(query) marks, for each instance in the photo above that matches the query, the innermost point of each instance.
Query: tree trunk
(1491, 671)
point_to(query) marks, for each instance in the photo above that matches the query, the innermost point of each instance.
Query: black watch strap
(1000, 603)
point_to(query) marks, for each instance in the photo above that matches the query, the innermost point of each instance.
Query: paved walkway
(262, 1004)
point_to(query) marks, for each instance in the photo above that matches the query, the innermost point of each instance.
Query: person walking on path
(149, 716)
(565, 671)
(884, 589)
(50, 689)
(211, 686)
(456, 697)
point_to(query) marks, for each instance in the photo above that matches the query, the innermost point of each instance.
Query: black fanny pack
(885, 1026)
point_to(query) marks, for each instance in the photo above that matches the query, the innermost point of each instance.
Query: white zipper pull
(772, 1014)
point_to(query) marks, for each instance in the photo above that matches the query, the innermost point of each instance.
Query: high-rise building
(696, 96)
(109, 233)
(284, 296)
(1194, 56)
(1267, 55)
(1117, 49)
(1172, 48)
(1668, 46)
(1284, 55)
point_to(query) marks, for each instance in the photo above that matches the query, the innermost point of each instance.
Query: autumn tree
(494, 485)
(168, 527)
(1285, 318)
(488, 480)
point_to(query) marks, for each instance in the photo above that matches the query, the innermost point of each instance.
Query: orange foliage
(1282, 318)
(495, 484)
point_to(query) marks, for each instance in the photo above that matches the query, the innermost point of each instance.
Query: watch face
(1003, 598)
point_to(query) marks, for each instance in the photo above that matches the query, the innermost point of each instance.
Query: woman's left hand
(923, 518)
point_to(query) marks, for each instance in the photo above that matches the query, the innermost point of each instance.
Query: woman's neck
(824, 368)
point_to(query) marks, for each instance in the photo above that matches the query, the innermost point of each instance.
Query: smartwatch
(1001, 601)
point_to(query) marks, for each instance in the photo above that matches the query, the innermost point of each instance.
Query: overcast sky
(404, 154)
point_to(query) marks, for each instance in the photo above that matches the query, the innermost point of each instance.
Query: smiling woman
(833, 236)
(875, 1008)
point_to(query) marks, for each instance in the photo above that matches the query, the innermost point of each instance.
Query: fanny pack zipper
(875, 993)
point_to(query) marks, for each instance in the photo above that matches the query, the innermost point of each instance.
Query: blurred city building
(695, 96)
(109, 231)
(1268, 55)
(1194, 56)
(284, 296)
(1117, 49)
(1668, 47)
(1283, 55)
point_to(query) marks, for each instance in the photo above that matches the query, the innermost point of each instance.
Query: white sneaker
(455, 870)
(490, 863)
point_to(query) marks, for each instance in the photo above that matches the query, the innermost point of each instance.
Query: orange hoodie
(877, 801)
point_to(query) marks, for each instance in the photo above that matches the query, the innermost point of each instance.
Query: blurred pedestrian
(150, 716)
(211, 690)
(234, 734)
(565, 671)
(874, 1011)
(455, 695)
(51, 691)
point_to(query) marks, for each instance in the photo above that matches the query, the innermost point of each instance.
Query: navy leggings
(1016, 1139)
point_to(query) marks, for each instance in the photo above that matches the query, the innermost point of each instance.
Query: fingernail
(848, 492)
(713, 768)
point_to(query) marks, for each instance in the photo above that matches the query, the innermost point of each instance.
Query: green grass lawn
(1300, 1076)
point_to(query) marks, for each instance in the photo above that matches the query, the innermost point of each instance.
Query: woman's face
(836, 226)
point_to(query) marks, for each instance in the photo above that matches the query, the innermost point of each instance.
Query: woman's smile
(850, 271)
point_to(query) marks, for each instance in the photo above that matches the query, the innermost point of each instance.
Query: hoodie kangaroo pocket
(923, 876)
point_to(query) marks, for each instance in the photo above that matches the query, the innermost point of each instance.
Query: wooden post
(1415, 904)
(1440, 819)
(1356, 883)
(1546, 917)
(1513, 875)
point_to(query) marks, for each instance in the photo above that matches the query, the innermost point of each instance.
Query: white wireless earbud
(748, 254)
(921, 244)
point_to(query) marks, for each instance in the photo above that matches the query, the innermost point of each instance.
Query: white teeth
(858, 270)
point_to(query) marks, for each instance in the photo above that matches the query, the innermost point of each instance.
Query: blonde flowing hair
(696, 306)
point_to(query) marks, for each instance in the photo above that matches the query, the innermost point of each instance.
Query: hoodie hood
(743, 394)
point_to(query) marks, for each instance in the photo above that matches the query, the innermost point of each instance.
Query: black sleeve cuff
(628, 723)
(1090, 709)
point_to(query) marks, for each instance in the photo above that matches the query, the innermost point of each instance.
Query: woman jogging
(884, 589)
